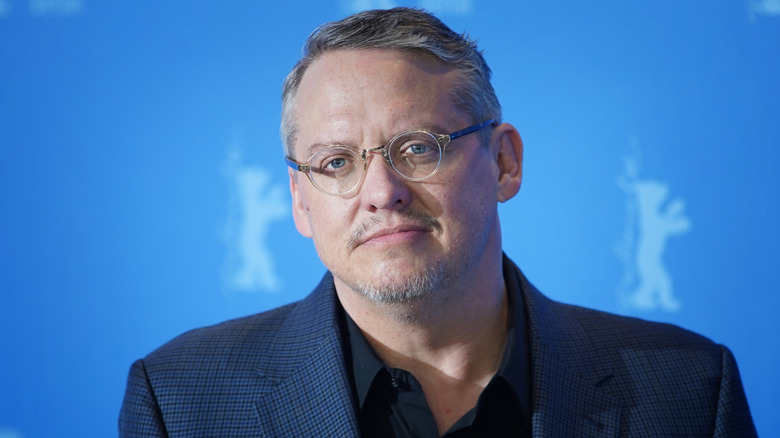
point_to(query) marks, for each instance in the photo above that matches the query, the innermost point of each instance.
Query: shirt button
(395, 383)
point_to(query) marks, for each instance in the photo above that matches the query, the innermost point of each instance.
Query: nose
(383, 188)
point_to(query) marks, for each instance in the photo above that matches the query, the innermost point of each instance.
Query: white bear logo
(652, 222)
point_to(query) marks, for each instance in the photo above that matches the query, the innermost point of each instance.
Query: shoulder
(600, 341)
(574, 326)
(669, 380)
(210, 379)
(177, 384)
(636, 344)
(631, 332)
(649, 362)
(237, 339)
(246, 342)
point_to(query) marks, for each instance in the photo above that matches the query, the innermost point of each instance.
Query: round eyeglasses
(415, 155)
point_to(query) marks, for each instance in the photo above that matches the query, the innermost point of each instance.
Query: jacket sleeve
(733, 419)
(140, 415)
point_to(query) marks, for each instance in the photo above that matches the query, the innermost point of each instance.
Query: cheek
(471, 200)
(473, 184)
(330, 229)
(299, 206)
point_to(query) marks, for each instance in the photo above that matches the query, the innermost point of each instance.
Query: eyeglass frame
(442, 139)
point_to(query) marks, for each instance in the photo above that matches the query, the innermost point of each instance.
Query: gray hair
(403, 29)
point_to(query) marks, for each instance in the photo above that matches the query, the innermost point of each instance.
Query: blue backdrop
(142, 190)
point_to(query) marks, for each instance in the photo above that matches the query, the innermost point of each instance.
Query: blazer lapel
(304, 386)
(568, 378)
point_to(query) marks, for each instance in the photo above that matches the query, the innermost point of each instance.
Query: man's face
(392, 233)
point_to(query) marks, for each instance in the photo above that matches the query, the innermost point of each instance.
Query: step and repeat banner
(143, 191)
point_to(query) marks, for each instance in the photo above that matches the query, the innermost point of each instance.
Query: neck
(453, 345)
(460, 313)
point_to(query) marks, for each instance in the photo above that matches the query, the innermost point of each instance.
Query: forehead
(348, 90)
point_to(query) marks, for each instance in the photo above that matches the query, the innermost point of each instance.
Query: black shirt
(390, 401)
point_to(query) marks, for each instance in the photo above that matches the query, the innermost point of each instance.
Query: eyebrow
(316, 147)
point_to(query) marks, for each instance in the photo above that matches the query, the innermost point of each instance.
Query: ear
(509, 159)
(299, 206)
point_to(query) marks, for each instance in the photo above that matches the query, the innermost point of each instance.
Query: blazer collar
(304, 385)
(568, 397)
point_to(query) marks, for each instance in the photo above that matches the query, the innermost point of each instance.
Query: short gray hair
(403, 29)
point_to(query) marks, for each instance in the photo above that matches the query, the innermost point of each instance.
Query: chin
(390, 285)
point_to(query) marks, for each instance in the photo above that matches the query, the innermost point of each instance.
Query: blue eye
(418, 149)
(334, 162)
(414, 153)
(337, 163)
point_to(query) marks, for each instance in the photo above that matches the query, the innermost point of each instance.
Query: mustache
(412, 217)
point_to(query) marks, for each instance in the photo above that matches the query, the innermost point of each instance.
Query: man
(422, 327)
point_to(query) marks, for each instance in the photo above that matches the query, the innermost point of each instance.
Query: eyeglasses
(416, 155)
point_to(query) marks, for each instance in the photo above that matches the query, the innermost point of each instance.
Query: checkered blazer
(282, 374)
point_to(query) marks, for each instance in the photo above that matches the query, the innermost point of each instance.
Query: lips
(393, 234)
(382, 230)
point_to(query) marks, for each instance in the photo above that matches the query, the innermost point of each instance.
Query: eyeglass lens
(415, 155)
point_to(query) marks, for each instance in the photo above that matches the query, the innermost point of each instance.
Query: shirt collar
(515, 363)
(515, 366)
(365, 363)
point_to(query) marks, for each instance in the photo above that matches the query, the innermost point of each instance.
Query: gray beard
(420, 297)
(427, 285)
(428, 291)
